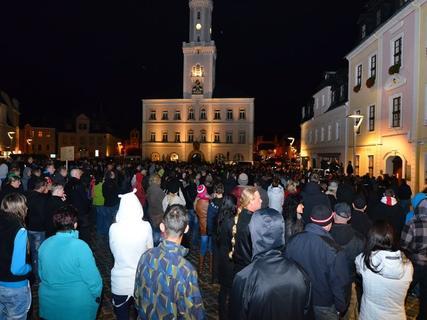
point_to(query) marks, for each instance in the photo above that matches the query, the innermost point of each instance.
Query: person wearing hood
(276, 195)
(390, 210)
(414, 242)
(261, 288)
(242, 181)
(130, 236)
(386, 274)
(416, 200)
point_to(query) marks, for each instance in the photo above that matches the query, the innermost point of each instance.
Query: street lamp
(358, 118)
(11, 134)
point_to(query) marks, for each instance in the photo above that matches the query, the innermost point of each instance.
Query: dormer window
(363, 31)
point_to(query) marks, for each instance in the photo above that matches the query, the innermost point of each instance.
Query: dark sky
(61, 58)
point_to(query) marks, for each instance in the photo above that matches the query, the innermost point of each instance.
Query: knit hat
(173, 186)
(321, 215)
(202, 192)
(243, 179)
(343, 210)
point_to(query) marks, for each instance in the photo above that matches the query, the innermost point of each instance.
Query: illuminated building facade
(323, 131)
(198, 125)
(89, 139)
(9, 124)
(37, 140)
(388, 92)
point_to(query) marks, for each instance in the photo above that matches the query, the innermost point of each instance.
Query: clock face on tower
(198, 26)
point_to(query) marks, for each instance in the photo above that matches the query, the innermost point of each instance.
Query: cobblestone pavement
(209, 291)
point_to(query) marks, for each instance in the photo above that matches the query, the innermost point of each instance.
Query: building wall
(210, 126)
(37, 140)
(387, 142)
(335, 143)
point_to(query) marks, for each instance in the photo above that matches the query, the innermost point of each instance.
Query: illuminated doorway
(394, 166)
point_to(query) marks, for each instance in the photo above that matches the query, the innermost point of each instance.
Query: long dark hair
(228, 208)
(380, 237)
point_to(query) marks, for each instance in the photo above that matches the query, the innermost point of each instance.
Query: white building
(323, 133)
(198, 126)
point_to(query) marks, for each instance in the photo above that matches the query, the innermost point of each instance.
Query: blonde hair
(15, 204)
(247, 195)
(155, 178)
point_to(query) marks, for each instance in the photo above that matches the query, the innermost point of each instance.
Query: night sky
(61, 58)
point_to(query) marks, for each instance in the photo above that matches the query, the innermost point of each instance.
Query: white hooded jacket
(130, 237)
(384, 292)
(276, 197)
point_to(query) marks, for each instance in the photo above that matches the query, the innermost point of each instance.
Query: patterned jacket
(166, 285)
(414, 238)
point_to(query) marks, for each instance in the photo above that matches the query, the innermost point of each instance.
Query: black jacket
(271, 286)
(325, 263)
(392, 214)
(351, 241)
(36, 203)
(243, 248)
(53, 204)
(361, 222)
(76, 196)
(225, 265)
(110, 191)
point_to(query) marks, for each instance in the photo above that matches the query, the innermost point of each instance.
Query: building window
(397, 51)
(203, 136)
(242, 114)
(329, 132)
(165, 115)
(378, 17)
(356, 122)
(216, 137)
(371, 165)
(372, 118)
(322, 134)
(153, 137)
(316, 136)
(397, 104)
(229, 114)
(342, 92)
(242, 137)
(332, 97)
(191, 136)
(323, 100)
(229, 137)
(177, 115)
(153, 115)
(373, 66)
(40, 134)
(191, 114)
(337, 131)
(356, 165)
(40, 147)
(48, 135)
(217, 115)
(165, 136)
(203, 114)
(177, 137)
(47, 147)
(198, 15)
(359, 75)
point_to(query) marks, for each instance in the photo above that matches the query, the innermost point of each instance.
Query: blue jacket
(325, 263)
(71, 284)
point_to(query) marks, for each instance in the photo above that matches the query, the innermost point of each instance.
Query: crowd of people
(280, 243)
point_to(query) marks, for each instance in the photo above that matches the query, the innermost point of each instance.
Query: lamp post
(358, 118)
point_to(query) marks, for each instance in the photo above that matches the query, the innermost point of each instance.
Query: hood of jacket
(267, 230)
(130, 210)
(417, 199)
(276, 190)
(389, 263)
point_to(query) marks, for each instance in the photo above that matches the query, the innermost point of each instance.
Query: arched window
(155, 156)
(174, 157)
(203, 136)
(203, 114)
(197, 71)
